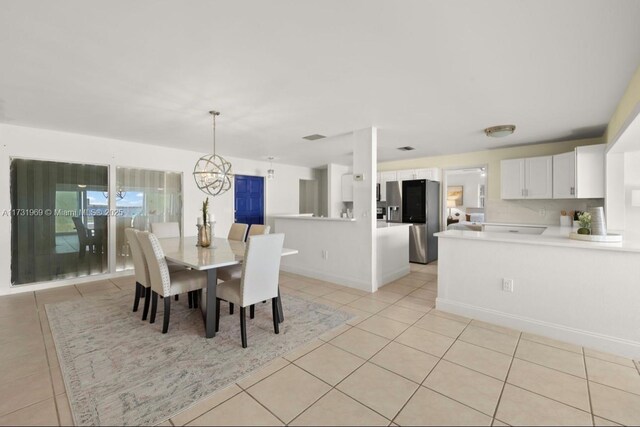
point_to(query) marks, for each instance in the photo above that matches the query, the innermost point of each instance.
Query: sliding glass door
(59, 220)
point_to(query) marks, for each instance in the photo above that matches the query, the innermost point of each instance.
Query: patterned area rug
(119, 370)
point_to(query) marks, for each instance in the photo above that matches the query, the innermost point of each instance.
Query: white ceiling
(431, 74)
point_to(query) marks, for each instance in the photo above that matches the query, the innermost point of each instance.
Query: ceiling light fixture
(212, 173)
(500, 131)
(271, 173)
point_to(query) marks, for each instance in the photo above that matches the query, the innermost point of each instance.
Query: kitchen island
(581, 292)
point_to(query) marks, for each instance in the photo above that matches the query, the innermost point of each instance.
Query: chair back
(261, 268)
(163, 230)
(139, 262)
(80, 229)
(100, 227)
(157, 264)
(238, 232)
(257, 229)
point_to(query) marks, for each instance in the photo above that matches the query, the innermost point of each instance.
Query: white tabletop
(221, 253)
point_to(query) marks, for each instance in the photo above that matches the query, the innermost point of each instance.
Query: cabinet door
(424, 174)
(590, 171)
(347, 188)
(406, 175)
(564, 176)
(538, 181)
(512, 179)
(384, 178)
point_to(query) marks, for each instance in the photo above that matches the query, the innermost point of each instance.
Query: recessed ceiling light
(406, 148)
(500, 131)
(313, 137)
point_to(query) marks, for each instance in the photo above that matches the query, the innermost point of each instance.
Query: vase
(204, 235)
(598, 224)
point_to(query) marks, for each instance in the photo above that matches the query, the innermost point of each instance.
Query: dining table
(221, 253)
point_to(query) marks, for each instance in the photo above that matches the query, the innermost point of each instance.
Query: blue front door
(249, 199)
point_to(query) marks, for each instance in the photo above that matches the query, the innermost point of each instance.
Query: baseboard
(394, 275)
(606, 343)
(351, 282)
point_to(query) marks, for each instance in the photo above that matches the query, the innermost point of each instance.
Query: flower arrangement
(584, 219)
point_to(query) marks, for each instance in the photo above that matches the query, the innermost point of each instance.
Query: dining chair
(85, 237)
(237, 232)
(164, 230)
(235, 271)
(259, 281)
(162, 283)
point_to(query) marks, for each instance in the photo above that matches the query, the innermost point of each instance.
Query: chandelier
(212, 173)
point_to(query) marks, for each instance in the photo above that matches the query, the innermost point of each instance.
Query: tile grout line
(504, 383)
(586, 375)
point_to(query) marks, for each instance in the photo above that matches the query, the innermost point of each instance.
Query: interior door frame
(444, 212)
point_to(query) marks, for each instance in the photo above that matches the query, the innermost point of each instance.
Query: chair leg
(147, 300)
(167, 312)
(136, 298)
(252, 311)
(243, 327)
(230, 308)
(154, 306)
(217, 314)
(276, 318)
(177, 297)
(190, 296)
(194, 295)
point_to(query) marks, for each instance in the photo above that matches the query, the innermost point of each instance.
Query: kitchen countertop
(313, 218)
(384, 224)
(552, 236)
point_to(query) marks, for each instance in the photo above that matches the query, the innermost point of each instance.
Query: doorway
(249, 199)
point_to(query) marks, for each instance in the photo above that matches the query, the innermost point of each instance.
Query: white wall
(351, 244)
(281, 192)
(334, 175)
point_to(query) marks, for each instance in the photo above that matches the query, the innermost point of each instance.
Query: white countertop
(552, 236)
(313, 218)
(384, 224)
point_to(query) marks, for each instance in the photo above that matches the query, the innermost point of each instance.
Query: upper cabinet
(432, 174)
(580, 173)
(384, 178)
(529, 178)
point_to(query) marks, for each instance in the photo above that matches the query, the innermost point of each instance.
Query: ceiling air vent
(313, 137)
(407, 148)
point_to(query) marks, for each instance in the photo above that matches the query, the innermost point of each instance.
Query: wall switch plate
(507, 285)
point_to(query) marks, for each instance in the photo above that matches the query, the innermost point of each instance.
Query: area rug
(119, 370)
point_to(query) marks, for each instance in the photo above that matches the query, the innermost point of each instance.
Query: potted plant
(584, 219)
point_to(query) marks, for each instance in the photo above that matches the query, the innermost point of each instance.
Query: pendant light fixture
(212, 173)
(271, 173)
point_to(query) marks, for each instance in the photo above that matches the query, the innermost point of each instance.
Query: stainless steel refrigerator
(421, 208)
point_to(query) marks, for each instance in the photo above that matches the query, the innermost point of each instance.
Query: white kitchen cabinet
(529, 178)
(432, 174)
(406, 175)
(512, 178)
(347, 187)
(378, 178)
(564, 176)
(580, 173)
(384, 178)
(590, 171)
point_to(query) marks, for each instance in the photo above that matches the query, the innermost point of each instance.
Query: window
(144, 197)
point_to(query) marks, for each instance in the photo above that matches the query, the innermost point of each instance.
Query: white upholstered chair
(163, 230)
(258, 229)
(238, 232)
(162, 283)
(259, 281)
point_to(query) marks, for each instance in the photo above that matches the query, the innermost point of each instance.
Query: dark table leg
(280, 312)
(209, 309)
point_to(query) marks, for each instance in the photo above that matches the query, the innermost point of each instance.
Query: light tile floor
(399, 362)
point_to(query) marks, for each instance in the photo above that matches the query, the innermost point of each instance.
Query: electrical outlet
(507, 285)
